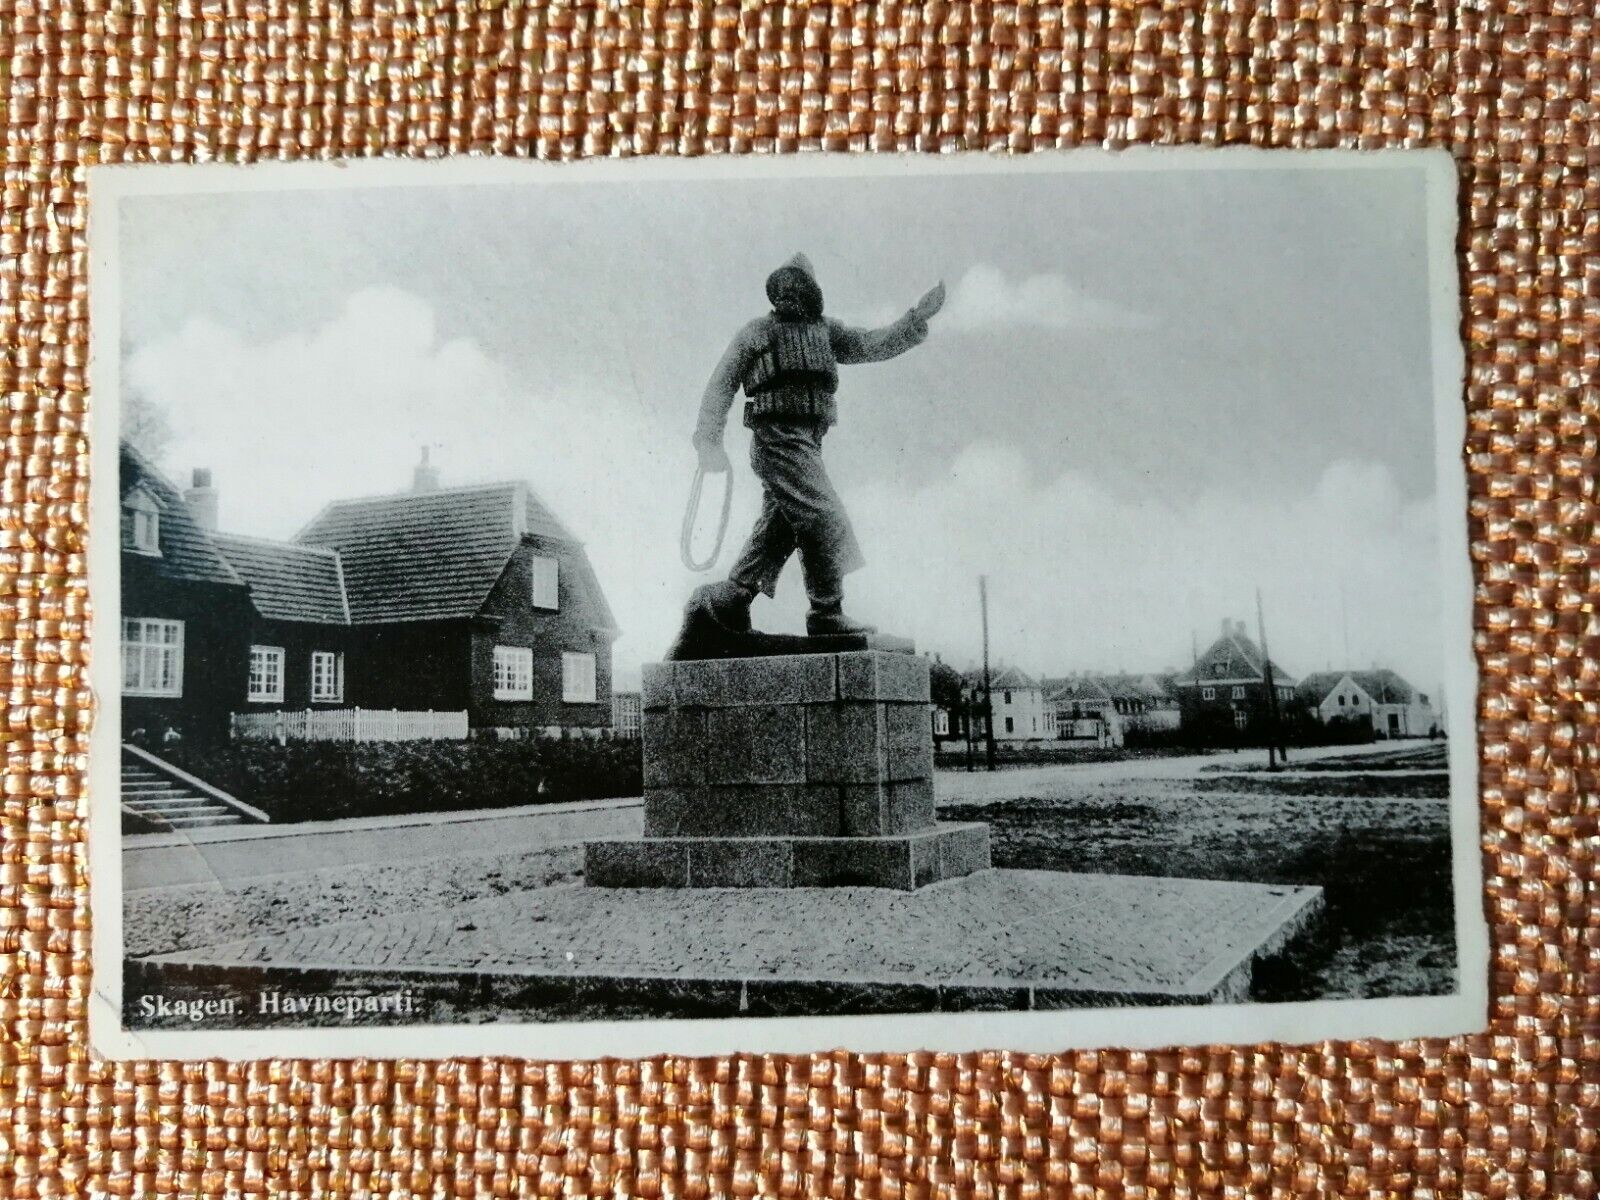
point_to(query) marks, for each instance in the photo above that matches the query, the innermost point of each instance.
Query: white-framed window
(577, 678)
(141, 529)
(327, 676)
(1238, 693)
(152, 657)
(1240, 718)
(1208, 693)
(941, 723)
(266, 674)
(513, 673)
(546, 581)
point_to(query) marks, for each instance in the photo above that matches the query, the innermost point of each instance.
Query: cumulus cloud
(289, 423)
(1084, 577)
(984, 298)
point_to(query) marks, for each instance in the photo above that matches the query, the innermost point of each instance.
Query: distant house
(1017, 708)
(1379, 697)
(472, 599)
(1085, 710)
(1145, 701)
(1103, 709)
(1226, 689)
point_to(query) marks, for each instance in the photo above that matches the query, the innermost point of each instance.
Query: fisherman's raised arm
(852, 345)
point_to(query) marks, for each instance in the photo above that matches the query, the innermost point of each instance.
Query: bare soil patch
(1382, 860)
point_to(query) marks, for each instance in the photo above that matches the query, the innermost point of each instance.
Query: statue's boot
(727, 603)
(825, 589)
(715, 621)
(819, 624)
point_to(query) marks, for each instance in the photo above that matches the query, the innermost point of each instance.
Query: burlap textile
(1512, 89)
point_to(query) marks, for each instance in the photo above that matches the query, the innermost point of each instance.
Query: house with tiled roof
(1227, 687)
(1017, 706)
(1379, 698)
(1084, 710)
(186, 613)
(1143, 701)
(469, 599)
(1102, 708)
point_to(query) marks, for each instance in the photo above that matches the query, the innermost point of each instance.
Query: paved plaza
(495, 900)
(1066, 937)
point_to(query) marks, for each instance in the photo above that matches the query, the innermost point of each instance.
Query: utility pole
(1344, 622)
(1273, 749)
(988, 698)
(966, 717)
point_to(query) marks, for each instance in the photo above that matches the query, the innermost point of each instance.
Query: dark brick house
(301, 629)
(446, 599)
(1225, 694)
(186, 614)
(474, 598)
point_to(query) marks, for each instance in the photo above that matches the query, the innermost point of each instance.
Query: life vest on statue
(797, 354)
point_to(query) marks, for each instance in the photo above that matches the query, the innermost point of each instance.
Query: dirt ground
(1379, 846)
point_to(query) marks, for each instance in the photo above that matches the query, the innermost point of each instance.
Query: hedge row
(321, 781)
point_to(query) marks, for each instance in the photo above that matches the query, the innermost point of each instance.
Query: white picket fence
(350, 725)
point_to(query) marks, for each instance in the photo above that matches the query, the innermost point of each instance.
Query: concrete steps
(168, 802)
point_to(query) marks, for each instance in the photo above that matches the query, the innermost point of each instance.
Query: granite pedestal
(804, 770)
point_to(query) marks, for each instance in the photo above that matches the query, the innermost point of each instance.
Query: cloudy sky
(1149, 394)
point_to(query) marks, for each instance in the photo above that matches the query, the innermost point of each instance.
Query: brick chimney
(201, 498)
(424, 478)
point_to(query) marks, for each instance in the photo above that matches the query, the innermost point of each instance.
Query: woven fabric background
(1513, 89)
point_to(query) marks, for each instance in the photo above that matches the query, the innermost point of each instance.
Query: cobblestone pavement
(1098, 932)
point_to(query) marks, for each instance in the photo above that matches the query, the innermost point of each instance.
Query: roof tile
(187, 551)
(288, 582)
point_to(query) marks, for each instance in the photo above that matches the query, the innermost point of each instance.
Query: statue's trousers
(799, 511)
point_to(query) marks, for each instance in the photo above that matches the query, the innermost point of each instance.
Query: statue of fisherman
(787, 362)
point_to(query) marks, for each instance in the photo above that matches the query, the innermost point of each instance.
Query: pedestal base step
(903, 861)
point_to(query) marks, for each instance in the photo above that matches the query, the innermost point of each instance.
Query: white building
(1017, 706)
(1085, 711)
(1393, 706)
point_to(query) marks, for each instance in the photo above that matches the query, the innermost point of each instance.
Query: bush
(321, 781)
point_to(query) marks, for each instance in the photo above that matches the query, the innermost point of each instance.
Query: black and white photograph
(719, 605)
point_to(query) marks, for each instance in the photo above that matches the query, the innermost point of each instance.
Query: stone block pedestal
(806, 770)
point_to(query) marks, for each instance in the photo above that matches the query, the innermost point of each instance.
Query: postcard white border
(1465, 1011)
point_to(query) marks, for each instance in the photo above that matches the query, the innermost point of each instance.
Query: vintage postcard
(776, 605)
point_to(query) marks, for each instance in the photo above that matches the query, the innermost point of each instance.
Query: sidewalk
(237, 852)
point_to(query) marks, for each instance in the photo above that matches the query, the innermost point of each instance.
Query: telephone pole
(988, 699)
(1273, 748)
